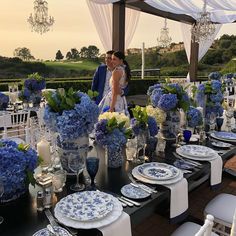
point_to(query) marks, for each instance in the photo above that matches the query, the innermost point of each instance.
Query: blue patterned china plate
(134, 192)
(220, 144)
(181, 164)
(224, 136)
(59, 230)
(158, 171)
(86, 206)
(196, 150)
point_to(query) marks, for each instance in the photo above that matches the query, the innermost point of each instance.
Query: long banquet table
(22, 219)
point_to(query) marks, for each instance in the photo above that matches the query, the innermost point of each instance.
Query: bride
(113, 100)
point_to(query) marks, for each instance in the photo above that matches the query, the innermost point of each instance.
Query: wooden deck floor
(158, 225)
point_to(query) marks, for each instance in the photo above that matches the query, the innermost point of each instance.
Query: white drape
(221, 11)
(101, 13)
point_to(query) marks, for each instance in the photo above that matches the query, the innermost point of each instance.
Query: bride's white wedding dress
(121, 104)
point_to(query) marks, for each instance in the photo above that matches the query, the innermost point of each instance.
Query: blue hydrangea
(35, 85)
(14, 165)
(214, 75)
(194, 117)
(156, 95)
(216, 85)
(218, 97)
(153, 87)
(135, 126)
(167, 102)
(75, 123)
(152, 126)
(4, 99)
(176, 86)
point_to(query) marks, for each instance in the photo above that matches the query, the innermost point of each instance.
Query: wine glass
(1, 194)
(76, 163)
(141, 144)
(92, 164)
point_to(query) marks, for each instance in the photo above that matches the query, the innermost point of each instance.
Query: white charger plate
(224, 136)
(198, 158)
(137, 175)
(196, 150)
(59, 230)
(108, 219)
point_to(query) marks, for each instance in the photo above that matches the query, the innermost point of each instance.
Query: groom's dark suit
(99, 80)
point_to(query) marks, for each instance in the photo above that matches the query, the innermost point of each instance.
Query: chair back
(206, 229)
(233, 229)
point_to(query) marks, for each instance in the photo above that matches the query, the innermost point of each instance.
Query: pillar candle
(43, 148)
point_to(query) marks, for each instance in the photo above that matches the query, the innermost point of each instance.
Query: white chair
(233, 229)
(16, 127)
(223, 208)
(193, 229)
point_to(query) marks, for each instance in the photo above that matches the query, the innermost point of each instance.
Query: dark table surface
(22, 219)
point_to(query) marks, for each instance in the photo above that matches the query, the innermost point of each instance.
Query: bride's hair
(121, 56)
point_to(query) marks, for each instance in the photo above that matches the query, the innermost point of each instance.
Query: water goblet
(131, 149)
(187, 135)
(92, 165)
(58, 180)
(76, 163)
(1, 194)
(219, 123)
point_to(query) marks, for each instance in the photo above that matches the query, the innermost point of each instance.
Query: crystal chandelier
(40, 22)
(165, 39)
(203, 29)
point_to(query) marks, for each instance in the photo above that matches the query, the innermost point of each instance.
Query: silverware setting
(190, 162)
(53, 222)
(128, 202)
(51, 230)
(142, 186)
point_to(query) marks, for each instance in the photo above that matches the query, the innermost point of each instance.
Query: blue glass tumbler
(187, 135)
(219, 123)
(92, 164)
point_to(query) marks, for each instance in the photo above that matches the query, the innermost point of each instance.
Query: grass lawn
(77, 65)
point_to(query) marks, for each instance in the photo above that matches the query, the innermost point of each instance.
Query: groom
(102, 77)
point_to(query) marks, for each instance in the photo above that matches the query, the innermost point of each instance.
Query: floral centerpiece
(214, 75)
(24, 95)
(209, 95)
(169, 98)
(33, 87)
(73, 116)
(4, 99)
(112, 132)
(17, 164)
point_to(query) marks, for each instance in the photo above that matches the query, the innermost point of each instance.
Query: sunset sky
(73, 28)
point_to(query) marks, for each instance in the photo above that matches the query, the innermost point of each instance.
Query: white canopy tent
(185, 11)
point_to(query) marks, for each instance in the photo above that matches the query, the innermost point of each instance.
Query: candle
(43, 148)
(182, 121)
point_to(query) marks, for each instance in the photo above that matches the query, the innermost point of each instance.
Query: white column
(143, 61)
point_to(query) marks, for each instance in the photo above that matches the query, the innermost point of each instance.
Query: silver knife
(131, 201)
(126, 202)
(138, 186)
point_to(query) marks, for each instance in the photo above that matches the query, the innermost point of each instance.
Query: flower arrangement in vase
(17, 164)
(4, 100)
(194, 117)
(72, 115)
(112, 131)
(32, 89)
(169, 98)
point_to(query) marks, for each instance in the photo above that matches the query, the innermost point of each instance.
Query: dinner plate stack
(224, 136)
(197, 152)
(157, 173)
(88, 209)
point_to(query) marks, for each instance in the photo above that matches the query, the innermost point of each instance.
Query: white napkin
(121, 226)
(216, 170)
(178, 197)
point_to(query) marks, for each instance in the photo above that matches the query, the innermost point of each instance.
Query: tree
(68, 55)
(84, 52)
(59, 55)
(93, 52)
(74, 53)
(23, 53)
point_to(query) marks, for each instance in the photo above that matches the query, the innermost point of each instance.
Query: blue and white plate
(158, 171)
(220, 144)
(224, 136)
(59, 230)
(86, 206)
(134, 192)
(196, 151)
(181, 164)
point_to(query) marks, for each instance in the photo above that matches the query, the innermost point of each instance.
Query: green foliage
(92, 94)
(23, 147)
(36, 76)
(62, 100)
(30, 178)
(140, 114)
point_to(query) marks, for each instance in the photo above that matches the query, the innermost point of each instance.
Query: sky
(73, 28)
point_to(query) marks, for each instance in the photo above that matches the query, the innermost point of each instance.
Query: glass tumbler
(58, 180)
